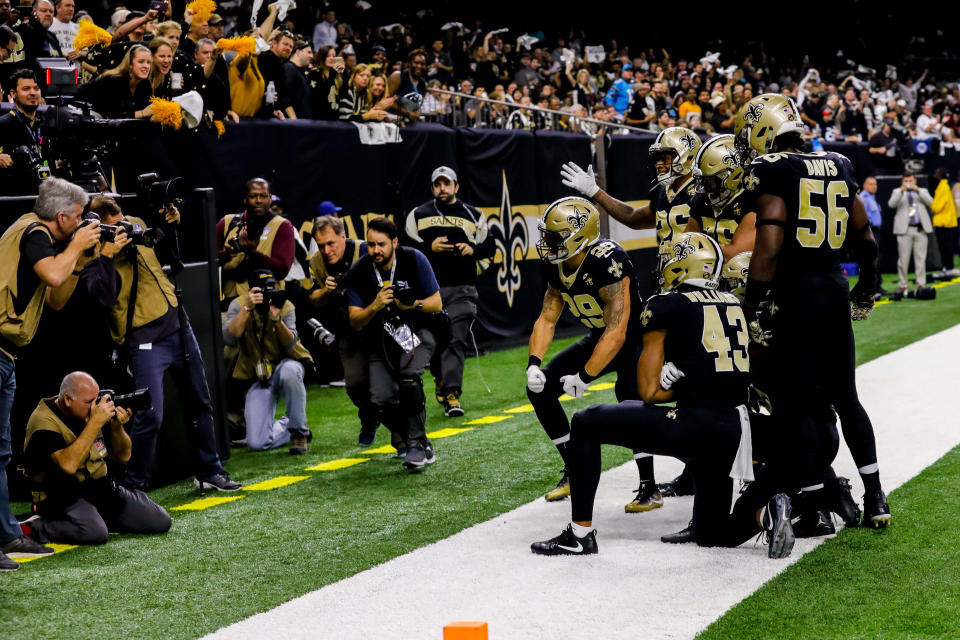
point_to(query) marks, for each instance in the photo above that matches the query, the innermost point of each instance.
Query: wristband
(586, 377)
(533, 361)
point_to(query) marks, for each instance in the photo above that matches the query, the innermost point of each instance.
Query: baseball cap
(327, 208)
(667, 112)
(377, 47)
(446, 172)
(627, 67)
(215, 19)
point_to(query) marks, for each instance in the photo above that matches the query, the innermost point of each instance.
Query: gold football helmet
(761, 120)
(566, 228)
(718, 171)
(683, 144)
(733, 276)
(696, 260)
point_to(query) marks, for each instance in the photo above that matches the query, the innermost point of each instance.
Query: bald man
(69, 440)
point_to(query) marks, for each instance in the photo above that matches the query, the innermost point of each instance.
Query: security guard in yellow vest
(156, 336)
(35, 266)
(269, 358)
(255, 239)
(69, 438)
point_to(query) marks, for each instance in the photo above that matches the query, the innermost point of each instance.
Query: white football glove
(576, 178)
(536, 378)
(669, 374)
(573, 386)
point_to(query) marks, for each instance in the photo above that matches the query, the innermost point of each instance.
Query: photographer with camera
(38, 259)
(155, 335)
(254, 239)
(391, 294)
(328, 266)
(69, 438)
(263, 324)
(22, 166)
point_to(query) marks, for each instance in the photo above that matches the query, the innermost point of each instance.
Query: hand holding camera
(171, 214)
(111, 248)
(255, 297)
(384, 297)
(86, 236)
(122, 416)
(103, 410)
(330, 284)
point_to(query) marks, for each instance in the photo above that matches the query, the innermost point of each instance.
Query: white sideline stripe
(487, 572)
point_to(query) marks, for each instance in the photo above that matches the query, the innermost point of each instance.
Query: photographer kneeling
(393, 297)
(68, 440)
(263, 324)
(155, 334)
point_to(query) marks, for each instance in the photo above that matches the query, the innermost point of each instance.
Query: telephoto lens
(320, 333)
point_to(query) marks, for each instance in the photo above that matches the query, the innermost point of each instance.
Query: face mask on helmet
(551, 247)
(568, 226)
(733, 276)
(673, 168)
(714, 189)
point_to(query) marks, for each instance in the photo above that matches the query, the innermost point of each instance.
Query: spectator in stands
(21, 136)
(295, 80)
(811, 112)
(252, 240)
(908, 91)
(125, 90)
(528, 76)
(38, 40)
(269, 361)
(270, 64)
(722, 120)
(325, 82)
(197, 31)
(643, 109)
(409, 85)
(439, 64)
(436, 105)
(66, 30)
(68, 440)
(689, 105)
(161, 79)
(621, 92)
(584, 87)
(215, 26)
(665, 119)
(355, 98)
(884, 149)
(911, 224)
(928, 125)
(853, 124)
(869, 197)
(325, 31)
(944, 220)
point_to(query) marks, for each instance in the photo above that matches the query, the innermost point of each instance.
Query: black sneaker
(298, 444)
(777, 527)
(401, 453)
(843, 504)
(416, 456)
(219, 482)
(368, 433)
(428, 455)
(452, 408)
(876, 512)
(648, 498)
(567, 544)
(679, 486)
(24, 547)
(6, 564)
(561, 491)
(680, 537)
(814, 524)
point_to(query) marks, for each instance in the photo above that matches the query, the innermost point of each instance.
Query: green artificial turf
(231, 561)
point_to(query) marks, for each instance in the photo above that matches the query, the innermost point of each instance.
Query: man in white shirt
(66, 30)
(325, 32)
(928, 125)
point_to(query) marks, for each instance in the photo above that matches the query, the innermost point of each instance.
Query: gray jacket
(900, 202)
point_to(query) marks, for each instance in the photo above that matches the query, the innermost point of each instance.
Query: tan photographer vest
(155, 293)
(231, 288)
(260, 342)
(18, 328)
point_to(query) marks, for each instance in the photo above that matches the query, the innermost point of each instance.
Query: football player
(720, 209)
(594, 278)
(797, 295)
(672, 155)
(699, 336)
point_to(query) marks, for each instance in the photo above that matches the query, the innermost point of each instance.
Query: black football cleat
(777, 527)
(561, 491)
(876, 512)
(680, 537)
(814, 524)
(567, 544)
(843, 504)
(682, 485)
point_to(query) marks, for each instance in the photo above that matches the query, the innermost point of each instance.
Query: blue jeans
(148, 367)
(9, 529)
(263, 432)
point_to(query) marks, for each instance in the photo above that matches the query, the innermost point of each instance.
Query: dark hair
(105, 205)
(21, 74)
(940, 173)
(7, 35)
(253, 181)
(416, 52)
(383, 225)
(320, 55)
(907, 174)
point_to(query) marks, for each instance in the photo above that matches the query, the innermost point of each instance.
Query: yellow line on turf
(205, 503)
(566, 398)
(333, 465)
(57, 548)
(446, 433)
(487, 420)
(601, 386)
(384, 449)
(526, 408)
(275, 483)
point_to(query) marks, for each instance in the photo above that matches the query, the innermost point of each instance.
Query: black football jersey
(720, 225)
(707, 339)
(672, 210)
(606, 263)
(818, 189)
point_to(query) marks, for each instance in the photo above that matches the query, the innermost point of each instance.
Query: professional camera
(263, 278)
(234, 241)
(320, 333)
(25, 156)
(404, 293)
(137, 234)
(138, 400)
(156, 193)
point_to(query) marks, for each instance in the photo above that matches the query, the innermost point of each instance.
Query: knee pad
(411, 397)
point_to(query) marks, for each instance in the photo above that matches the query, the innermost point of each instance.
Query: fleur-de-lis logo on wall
(509, 233)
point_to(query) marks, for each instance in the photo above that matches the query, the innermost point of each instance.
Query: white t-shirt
(925, 121)
(65, 32)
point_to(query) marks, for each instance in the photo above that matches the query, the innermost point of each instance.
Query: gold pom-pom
(89, 35)
(202, 9)
(219, 126)
(243, 46)
(166, 112)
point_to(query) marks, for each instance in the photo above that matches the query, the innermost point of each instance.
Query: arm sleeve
(282, 254)
(232, 312)
(414, 239)
(925, 197)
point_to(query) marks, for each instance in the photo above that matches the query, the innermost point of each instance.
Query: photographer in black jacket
(391, 295)
(21, 137)
(155, 334)
(453, 235)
